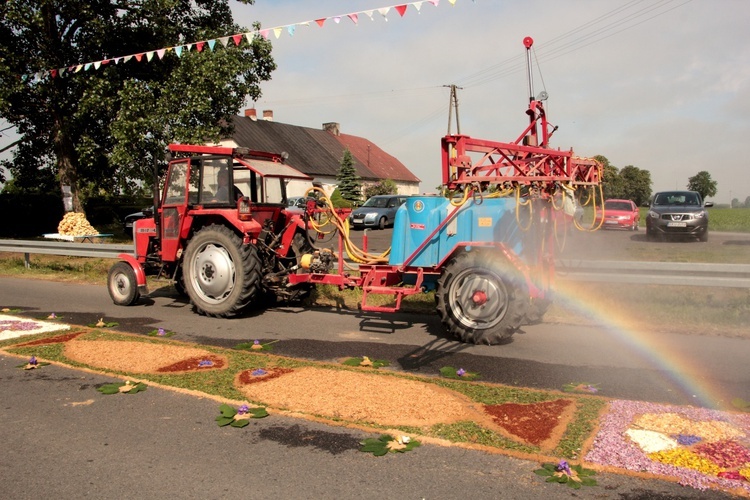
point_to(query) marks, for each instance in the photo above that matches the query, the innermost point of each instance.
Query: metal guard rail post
(645, 273)
(71, 249)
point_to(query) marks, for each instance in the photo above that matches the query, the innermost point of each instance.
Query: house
(318, 152)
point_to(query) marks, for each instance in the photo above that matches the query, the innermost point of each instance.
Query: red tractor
(486, 249)
(222, 232)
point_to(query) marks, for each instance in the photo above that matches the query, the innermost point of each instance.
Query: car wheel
(382, 222)
(704, 237)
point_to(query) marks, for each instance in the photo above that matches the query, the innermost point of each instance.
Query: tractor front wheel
(122, 284)
(221, 275)
(481, 298)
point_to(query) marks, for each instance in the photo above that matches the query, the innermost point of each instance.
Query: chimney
(332, 128)
(268, 115)
(251, 113)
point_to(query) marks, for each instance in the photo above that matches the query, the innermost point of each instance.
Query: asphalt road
(64, 439)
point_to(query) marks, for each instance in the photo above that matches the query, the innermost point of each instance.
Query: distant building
(318, 152)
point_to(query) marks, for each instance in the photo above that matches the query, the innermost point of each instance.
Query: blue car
(378, 211)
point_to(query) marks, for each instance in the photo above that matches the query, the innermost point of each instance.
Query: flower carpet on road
(696, 447)
(12, 327)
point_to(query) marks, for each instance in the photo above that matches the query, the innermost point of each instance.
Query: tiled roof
(317, 152)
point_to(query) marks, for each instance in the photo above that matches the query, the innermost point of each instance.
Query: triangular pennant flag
(53, 72)
(199, 46)
(320, 21)
(86, 66)
(224, 41)
(161, 53)
(264, 33)
(290, 29)
(417, 5)
(453, 2)
(97, 64)
(250, 35)
(384, 12)
(149, 55)
(237, 39)
(337, 20)
(306, 23)
(105, 61)
(211, 44)
(369, 14)
(401, 9)
(188, 47)
(353, 17)
(277, 33)
(178, 50)
(434, 2)
(61, 72)
(138, 57)
(127, 58)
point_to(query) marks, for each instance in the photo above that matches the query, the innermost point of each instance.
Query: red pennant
(53, 72)
(320, 21)
(237, 39)
(401, 9)
(138, 57)
(106, 61)
(199, 46)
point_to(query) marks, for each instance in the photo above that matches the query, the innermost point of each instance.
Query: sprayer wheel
(481, 297)
(221, 275)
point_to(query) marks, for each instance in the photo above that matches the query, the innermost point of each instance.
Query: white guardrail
(646, 273)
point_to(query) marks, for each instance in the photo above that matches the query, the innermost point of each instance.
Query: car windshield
(618, 205)
(376, 203)
(676, 198)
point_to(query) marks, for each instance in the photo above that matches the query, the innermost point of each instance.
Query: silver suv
(677, 213)
(378, 211)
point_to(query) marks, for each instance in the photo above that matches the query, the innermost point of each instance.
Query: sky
(663, 85)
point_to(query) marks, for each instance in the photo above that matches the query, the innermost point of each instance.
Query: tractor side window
(176, 184)
(217, 179)
(274, 191)
(194, 182)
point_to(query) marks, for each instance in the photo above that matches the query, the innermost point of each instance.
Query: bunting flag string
(179, 50)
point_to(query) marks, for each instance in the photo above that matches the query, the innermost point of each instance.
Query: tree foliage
(703, 184)
(102, 130)
(386, 186)
(350, 185)
(628, 183)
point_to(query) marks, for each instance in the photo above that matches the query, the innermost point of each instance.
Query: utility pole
(453, 105)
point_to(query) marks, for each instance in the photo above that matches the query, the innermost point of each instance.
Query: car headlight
(371, 216)
(700, 215)
(653, 215)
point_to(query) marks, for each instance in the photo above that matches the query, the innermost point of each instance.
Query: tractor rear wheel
(481, 298)
(221, 275)
(122, 284)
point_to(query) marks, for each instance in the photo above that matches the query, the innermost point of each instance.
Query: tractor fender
(140, 275)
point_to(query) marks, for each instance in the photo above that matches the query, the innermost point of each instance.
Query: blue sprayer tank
(477, 221)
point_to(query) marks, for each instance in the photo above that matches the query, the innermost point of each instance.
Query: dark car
(621, 214)
(131, 218)
(378, 211)
(677, 213)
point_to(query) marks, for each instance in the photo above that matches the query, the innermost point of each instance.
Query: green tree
(703, 184)
(747, 202)
(611, 181)
(102, 129)
(636, 184)
(386, 186)
(350, 185)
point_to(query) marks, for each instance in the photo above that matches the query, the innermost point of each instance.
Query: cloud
(659, 85)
